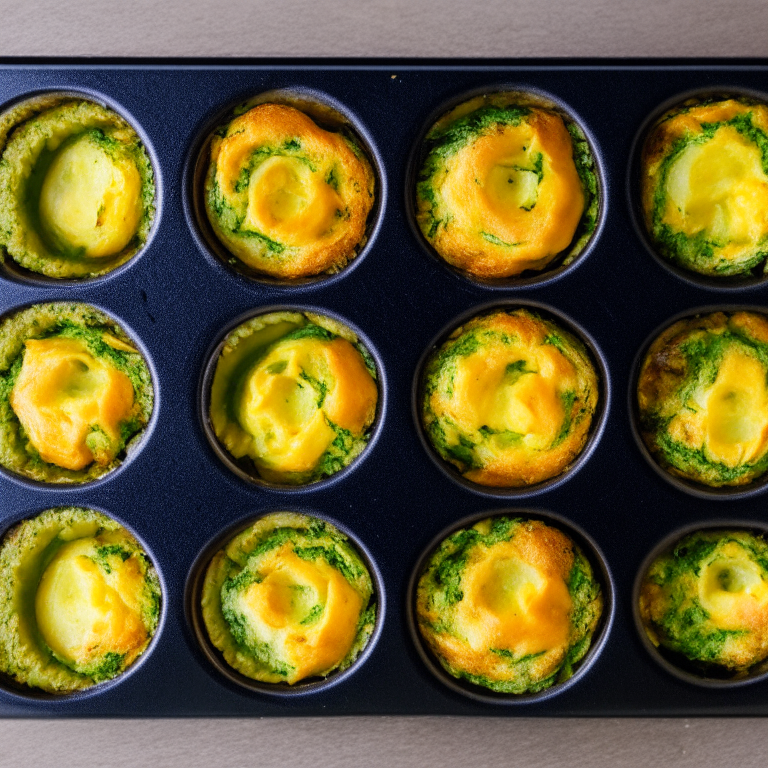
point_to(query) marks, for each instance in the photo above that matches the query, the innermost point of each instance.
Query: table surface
(504, 28)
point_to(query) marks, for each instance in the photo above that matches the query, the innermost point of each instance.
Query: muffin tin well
(598, 418)
(214, 657)
(328, 113)
(17, 111)
(674, 663)
(177, 298)
(602, 575)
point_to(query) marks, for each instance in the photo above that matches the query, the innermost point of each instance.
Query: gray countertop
(500, 28)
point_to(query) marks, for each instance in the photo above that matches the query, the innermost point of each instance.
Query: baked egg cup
(509, 605)
(703, 176)
(292, 399)
(506, 185)
(77, 188)
(289, 602)
(79, 600)
(76, 394)
(509, 399)
(287, 198)
(701, 604)
(701, 401)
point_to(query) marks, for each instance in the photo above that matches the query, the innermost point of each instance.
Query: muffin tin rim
(663, 545)
(727, 284)
(599, 419)
(208, 372)
(691, 487)
(145, 434)
(591, 551)
(197, 634)
(545, 276)
(24, 692)
(195, 163)
(15, 273)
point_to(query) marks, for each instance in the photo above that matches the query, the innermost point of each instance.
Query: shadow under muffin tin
(176, 300)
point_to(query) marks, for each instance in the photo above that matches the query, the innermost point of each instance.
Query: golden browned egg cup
(506, 186)
(286, 189)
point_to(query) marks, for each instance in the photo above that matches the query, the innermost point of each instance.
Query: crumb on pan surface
(509, 604)
(77, 190)
(707, 599)
(79, 600)
(286, 197)
(288, 599)
(703, 398)
(509, 399)
(75, 393)
(507, 185)
(293, 397)
(704, 186)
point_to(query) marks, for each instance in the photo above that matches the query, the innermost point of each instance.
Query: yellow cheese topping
(732, 589)
(488, 393)
(719, 187)
(83, 613)
(290, 202)
(494, 187)
(287, 418)
(91, 201)
(61, 392)
(730, 417)
(279, 609)
(512, 602)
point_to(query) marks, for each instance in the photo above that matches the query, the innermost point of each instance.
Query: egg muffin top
(77, 190)
(79, 600)
(75, 393)
(707, 599)
(507, 184)
(288, 599)
(508, 604)
(286, 197)
(509, 398)
(704, 186)
(703, 399)
(293, 397)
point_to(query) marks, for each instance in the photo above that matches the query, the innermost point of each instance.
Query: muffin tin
(176, 298)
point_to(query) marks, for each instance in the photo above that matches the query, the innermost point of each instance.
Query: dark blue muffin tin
(176, 300)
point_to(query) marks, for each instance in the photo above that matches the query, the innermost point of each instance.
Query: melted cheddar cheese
(287, 418)
(512, 603)
(731, 416)
(279, 611)
(733, 589)
(62, 393)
